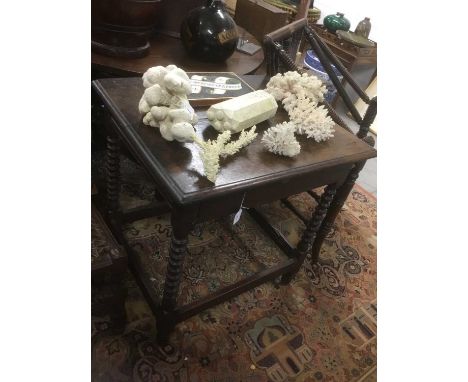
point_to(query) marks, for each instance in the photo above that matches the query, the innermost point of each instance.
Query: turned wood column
(368, 119)
(313, 226)
(112, 166)
(182, 223)
(337, 204)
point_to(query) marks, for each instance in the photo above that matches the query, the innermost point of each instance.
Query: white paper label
(239, 213)
(237, 216)
(215, 85)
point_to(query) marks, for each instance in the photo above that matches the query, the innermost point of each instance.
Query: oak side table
(254, 176)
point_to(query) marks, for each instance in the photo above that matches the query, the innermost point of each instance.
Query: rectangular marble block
(242, 112)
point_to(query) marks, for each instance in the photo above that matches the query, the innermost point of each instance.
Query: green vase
(336, 22)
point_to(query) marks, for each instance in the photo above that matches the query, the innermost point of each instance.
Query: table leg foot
(166, 351)
(164, 331)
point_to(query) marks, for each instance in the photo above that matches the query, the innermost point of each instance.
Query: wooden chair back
(302, 9)
(281, 47)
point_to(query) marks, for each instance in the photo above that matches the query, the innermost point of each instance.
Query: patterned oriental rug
(322, 327)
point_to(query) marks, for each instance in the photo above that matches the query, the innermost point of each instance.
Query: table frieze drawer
(295, 185)
(269, 192)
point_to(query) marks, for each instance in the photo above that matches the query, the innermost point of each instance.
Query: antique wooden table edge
(186, 208)
(128, 134)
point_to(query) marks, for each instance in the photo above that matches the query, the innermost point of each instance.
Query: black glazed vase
(209, 33)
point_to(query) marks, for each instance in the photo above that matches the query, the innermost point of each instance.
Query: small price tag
(238, 214)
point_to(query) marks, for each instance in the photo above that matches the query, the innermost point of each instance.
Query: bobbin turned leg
(113, 184)
(337, 204)
(182, 223)
(311, 230)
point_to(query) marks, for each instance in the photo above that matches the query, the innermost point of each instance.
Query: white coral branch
(292, 84)
(280, 139)
(212, 150)
(300, 95)
(245, 138)
(209, 153)
(312, 120)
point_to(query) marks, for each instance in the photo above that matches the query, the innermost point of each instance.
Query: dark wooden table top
(167, 50)
(179, 168)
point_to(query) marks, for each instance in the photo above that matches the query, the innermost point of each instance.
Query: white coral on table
(300, 95)
(280, 139)
(245, 138)
(292, 85)
(312, 120)
(164, 103)
(212, 150)
(210, 153)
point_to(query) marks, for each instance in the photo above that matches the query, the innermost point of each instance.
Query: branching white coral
(280, 139)
(312, 120)
(212, 150)
(300, 95)
(245, 138)
(292, 85)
